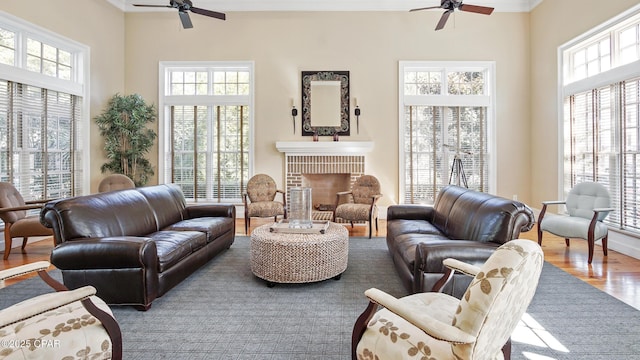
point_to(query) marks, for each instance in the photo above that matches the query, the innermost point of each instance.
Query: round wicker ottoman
(299, 258)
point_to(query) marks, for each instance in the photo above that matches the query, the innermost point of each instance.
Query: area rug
(223, 312)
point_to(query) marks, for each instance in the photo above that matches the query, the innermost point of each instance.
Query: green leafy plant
(123, 124)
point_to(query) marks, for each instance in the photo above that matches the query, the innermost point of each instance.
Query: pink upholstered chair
(260, 200)
(363, 196)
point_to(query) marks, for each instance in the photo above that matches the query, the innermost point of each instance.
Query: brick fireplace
(326, 167)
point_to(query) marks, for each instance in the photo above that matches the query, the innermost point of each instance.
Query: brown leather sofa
(134, 245)
(463, 224)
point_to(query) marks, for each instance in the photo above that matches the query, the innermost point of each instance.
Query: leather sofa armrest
(410, 212)
(430, 258)
(117, 252)
(210, 210)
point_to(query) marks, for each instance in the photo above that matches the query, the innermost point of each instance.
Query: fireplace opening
(324, 189)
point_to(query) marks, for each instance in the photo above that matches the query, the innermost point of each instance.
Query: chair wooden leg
(604, 244)
(370, 229)
(591, 241)
(247, 222)
(539, 235)
(506, 350)
(24, 242)
(7, 240)
(360, 326)
(566, 241)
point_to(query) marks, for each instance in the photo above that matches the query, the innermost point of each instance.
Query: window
(41, 111)
(445, 127)
(601, 116)
(206, 127)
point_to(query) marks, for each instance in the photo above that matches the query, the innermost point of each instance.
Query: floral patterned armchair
(66, 324)
(434, 325)
(259, 200)
(364, 194)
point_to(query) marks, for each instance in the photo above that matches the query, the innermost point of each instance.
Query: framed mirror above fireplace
(325, 103)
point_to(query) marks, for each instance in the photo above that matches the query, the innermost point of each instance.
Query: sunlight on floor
(529, 331)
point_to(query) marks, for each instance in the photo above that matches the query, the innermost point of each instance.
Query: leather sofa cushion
(174, 246)
(167, 203)
(399, 227)
(212, 226)
(119, 213)
(466, 214)
(406, 245)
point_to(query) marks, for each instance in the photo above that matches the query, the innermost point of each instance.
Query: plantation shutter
(38, 141)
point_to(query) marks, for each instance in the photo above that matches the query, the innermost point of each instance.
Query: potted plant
(123, 124)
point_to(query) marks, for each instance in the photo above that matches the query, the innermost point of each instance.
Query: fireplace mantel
(324, 147)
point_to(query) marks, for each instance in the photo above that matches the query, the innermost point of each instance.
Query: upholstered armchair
(115, 182)
(587, 204)
(59, 325)
(435, 325)
(361, 205)
(17, 223)
(260, 200)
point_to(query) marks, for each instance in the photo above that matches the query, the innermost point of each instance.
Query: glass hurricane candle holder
(300, 208)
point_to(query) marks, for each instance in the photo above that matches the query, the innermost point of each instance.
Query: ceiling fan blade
(476, 9)
(186, 20)
(443, 19)
(209, 13)
(427, 8)
(162, 6)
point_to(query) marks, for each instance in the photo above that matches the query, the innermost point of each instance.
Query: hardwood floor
(616, 274)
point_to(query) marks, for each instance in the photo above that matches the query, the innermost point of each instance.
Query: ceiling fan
(186, 5)
(451, 5)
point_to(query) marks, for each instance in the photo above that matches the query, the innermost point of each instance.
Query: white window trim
(614, 75)
(78, 85)
(488, 100)
(165, 100)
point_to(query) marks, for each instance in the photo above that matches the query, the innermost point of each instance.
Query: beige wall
(369, 45)
(100, 26)
(554, 23)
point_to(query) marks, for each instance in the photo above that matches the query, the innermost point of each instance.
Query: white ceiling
(324, 5)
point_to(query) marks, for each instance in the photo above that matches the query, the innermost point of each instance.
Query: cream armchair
(434, 325)
(60, 325)
(588, 204)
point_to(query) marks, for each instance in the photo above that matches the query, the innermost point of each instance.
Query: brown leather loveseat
(134, 245)
(463, 224)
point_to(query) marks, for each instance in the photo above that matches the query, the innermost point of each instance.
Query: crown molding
(323, 5)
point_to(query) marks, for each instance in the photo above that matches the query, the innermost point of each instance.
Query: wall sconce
(294, 113)
(357, 112)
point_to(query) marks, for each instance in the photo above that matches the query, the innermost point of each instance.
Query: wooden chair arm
(20, 208)
(599, 210)
(554, 202)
